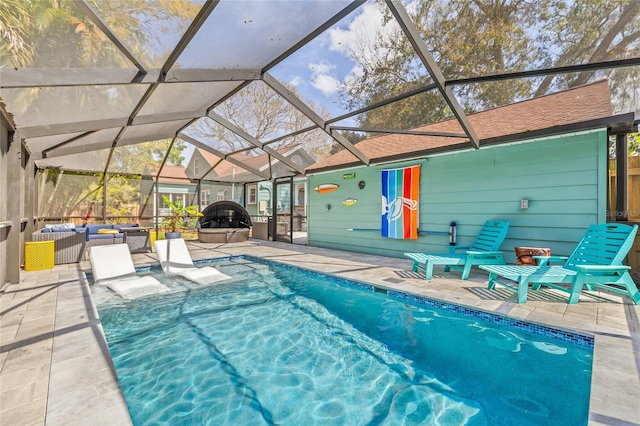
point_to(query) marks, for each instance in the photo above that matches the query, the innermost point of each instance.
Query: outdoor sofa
(71, 242)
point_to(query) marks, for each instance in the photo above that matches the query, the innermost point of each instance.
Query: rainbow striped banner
(400, 195)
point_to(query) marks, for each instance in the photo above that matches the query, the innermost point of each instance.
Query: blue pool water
(278, 345)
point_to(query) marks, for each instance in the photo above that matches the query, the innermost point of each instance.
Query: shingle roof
(576, 105)
(173, 174)
(225, 167)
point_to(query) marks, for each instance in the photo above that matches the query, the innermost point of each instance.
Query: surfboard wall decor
(325, 188)
(349, 202)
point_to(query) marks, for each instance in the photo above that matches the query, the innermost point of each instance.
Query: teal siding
(564, 179)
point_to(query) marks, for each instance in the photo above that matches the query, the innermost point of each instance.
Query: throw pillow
(108, 231)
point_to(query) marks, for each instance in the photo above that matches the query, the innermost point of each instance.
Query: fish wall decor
(326, 187)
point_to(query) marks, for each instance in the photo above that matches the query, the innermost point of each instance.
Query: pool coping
(74, 376)
(562, 334)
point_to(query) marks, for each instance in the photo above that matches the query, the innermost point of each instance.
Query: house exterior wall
(263, 205)
(563, 177)
(202, 164)
(219, 191)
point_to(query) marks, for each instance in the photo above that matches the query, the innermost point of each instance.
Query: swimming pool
(280, 345)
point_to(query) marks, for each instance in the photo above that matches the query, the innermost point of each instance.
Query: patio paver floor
(55, 367)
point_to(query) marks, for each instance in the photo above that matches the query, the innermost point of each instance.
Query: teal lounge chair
(483, 251)
(595, 262)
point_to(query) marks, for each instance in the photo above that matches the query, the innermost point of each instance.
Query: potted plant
(176, 219)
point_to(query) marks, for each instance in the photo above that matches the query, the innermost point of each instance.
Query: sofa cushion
(49, 230)
(102, 236)
(69, 225)
(126, 225)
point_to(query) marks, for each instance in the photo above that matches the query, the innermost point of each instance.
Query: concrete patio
(55, 367)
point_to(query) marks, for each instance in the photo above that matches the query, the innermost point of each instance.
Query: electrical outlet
(524, 204)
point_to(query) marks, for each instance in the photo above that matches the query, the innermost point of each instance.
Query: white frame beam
(412, 33)
(23, 78)
(222, 155)
(246, 136)
(313, 116)
(96, 19)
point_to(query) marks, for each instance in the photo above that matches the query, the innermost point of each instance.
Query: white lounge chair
(175, 259)
(112, 266)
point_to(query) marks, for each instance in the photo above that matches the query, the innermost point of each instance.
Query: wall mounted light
(524, 204)
(327, 207)
(452, 234)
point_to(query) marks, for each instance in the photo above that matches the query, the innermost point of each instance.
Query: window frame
(252, 194)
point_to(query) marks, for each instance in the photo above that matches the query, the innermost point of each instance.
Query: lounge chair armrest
(603, 268)
(483, 254)
(543, 260)
(453, 249)
(480, 253)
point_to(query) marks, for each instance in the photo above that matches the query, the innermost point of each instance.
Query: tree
(353, 137)
(66, 193)
(593, 31)
(56, 34)
(265, 115)
(71, 193)
(146, 157)
(482, 37)
(634, 144)
(15, 20)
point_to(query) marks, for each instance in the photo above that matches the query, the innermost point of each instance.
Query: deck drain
(393, 280)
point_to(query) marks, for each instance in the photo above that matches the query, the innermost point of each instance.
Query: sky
(319, 68)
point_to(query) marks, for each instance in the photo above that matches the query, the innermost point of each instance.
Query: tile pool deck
(55, 367)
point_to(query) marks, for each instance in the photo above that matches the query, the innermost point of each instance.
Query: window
(204, 197)
(252, 194)
(297, 159)
(196, 166)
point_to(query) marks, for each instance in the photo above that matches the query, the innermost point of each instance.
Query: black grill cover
(225, 214)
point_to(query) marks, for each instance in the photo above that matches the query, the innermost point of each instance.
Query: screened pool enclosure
(119, 102)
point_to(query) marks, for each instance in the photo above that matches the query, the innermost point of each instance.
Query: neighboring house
(551, 151)
(231, 180)
(176, 186)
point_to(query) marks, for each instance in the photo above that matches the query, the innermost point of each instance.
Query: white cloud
(324, 79)
(295, 81)
(363, 30)
(327, 84)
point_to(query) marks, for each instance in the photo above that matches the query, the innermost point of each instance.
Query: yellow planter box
(153, 237)
(39, 255)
